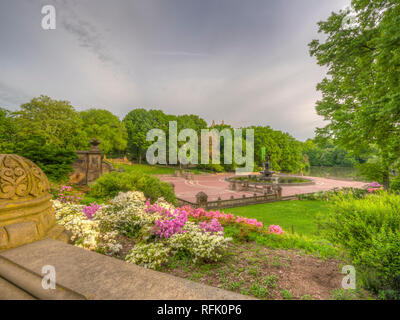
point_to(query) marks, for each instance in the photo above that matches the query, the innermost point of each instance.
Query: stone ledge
(89, 275)
(8, 291)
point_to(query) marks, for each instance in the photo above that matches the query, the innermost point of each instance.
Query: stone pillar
(202, 200)
(26, 212)
(90, 165)
(279, 192)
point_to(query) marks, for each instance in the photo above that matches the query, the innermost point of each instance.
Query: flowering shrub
(84, 232)
(275, 229)
(159, 229)
(151, 255)
(90, 210)
(223, 218)
(165, 228)
(199, 244)
(67, 194)
(374, 186)
(213, 227)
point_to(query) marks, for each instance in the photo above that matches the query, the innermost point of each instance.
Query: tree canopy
(103, 125)
(361, 92)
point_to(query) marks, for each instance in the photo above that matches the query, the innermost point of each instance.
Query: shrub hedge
(109, 185)
(369, 230)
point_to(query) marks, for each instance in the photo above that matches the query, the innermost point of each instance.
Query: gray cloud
(10, 96)
(242, 62)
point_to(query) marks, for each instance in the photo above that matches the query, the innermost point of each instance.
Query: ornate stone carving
(21, 178)
(26, 212)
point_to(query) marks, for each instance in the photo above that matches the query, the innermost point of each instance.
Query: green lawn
(300, 214)
(148, 169)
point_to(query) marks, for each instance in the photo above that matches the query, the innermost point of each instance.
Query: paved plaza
(215, 186)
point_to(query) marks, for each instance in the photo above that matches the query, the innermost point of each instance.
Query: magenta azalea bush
(166, 228)
(91, 210)
(212, 227)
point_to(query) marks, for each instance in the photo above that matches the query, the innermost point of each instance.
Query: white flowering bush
(158, 230)
(85, 233)
(149, 255)
(199, 244)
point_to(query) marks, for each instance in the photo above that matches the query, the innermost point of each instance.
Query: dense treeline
(328, 155)
(50, 131)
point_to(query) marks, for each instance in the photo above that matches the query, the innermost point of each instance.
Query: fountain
(268, 177)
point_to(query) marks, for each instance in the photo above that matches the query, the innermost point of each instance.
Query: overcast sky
(244, 62)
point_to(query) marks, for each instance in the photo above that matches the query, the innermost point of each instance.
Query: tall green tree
(285, 151)
(103, 125)
(138, 122)
(56, 121)
(361, 93)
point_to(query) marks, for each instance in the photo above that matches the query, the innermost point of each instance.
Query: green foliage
(8, 131)
(110, 184)
(327, 195)
(106, 127)
(369, 230)
(299, 214)
(55, 121)
(360, 95)
(327, 155)
(373, 171)
(138, 122)
(55, 161)
(395, 184)
(210, 167)
(284, 150)
(310, 245)
(286, 294)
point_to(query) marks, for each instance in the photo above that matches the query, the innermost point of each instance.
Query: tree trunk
(140, 155)
(386, 180)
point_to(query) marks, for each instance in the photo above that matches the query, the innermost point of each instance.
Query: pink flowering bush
(166, 228)
(91, 210)
(223, 218)
(158, 209)
(212, 227)
(67, 194)
(275, 229)
(374, 186)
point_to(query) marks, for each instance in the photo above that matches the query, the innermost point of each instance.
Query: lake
(334, 172)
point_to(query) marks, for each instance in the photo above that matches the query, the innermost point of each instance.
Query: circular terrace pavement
(215, 186)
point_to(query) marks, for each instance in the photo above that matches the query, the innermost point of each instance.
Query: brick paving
(215, 186)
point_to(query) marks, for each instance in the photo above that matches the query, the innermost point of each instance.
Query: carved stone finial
(95, 145)
(26, 212)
